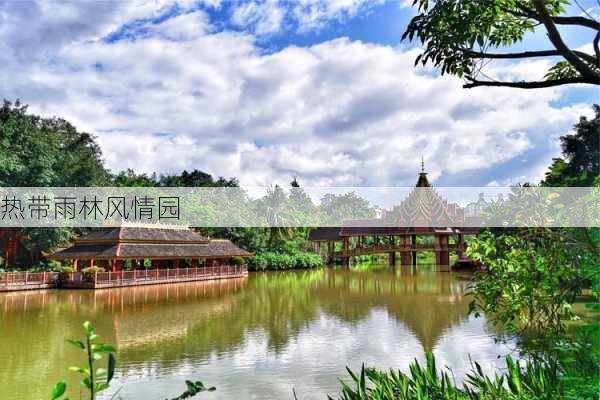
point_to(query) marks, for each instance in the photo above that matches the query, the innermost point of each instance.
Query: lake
(258, 337)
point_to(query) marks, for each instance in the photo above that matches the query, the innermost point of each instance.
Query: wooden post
(76, 265)
(392, 259)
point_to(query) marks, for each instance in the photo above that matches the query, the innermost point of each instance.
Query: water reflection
(255, 337)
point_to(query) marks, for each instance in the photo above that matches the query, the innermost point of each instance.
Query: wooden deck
(14, 281)
(101, 280)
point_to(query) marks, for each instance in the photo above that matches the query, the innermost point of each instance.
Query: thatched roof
(154, 243)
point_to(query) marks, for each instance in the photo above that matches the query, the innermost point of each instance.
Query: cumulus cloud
(269, 16)
(341, 112)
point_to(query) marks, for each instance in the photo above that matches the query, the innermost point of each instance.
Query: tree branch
(528, 54)
(585, 70)
(524, 85)
(525, 54)
(597, 49)
(560, 20)
(581, 21)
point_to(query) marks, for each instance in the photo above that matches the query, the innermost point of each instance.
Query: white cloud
(338, 113)
(266, 17)
(269, 16)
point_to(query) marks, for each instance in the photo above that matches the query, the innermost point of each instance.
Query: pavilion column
(76, 265)
(91, 262)
(346, 257)
(194, 263)
(392, 259)
(175, 264)
(117, 265)
(330, 251)
(155, 264)
(442, 255)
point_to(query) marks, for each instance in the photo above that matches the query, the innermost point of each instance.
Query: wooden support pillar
(175, 263)
(392, 259)
(76, 265)
(117, 265)
(405, 258)
(442, 253)
(194, 263)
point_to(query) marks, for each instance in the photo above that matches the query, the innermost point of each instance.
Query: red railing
(176, 274)
(9, 279)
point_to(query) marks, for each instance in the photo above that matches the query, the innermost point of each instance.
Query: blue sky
(267, 89)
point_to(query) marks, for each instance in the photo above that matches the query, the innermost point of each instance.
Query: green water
(253, 338)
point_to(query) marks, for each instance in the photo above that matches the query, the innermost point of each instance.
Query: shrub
(274, 261)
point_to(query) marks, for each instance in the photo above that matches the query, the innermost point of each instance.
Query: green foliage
(532, 276)
(37, 151)
(456, 35)
(282, 261)
(94, 380)
(580, 161)
(536, 379)
(195, 178)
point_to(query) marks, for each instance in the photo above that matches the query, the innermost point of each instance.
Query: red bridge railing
(12, 279)
(165, 275)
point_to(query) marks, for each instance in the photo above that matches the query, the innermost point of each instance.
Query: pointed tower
(423, 182)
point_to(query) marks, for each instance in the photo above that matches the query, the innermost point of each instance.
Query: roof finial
(422, 163)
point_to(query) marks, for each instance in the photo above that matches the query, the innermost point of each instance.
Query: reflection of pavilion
(422, 213)
(427, 304)
(144, 315)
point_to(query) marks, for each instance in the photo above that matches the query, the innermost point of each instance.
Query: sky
(265, 90)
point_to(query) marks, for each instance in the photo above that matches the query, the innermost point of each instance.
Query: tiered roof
(148, 242)
(423, 210)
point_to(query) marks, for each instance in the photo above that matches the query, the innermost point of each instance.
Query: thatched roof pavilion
(110, 247)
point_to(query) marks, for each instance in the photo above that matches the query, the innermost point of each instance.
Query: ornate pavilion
(422, 213)
(110, 248)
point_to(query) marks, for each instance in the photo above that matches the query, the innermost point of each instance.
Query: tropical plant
(535, 379)
(532, 276)
(95, 380)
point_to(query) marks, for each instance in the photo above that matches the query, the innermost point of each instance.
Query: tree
(459, 35)
(580, 163)
(36, 151)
